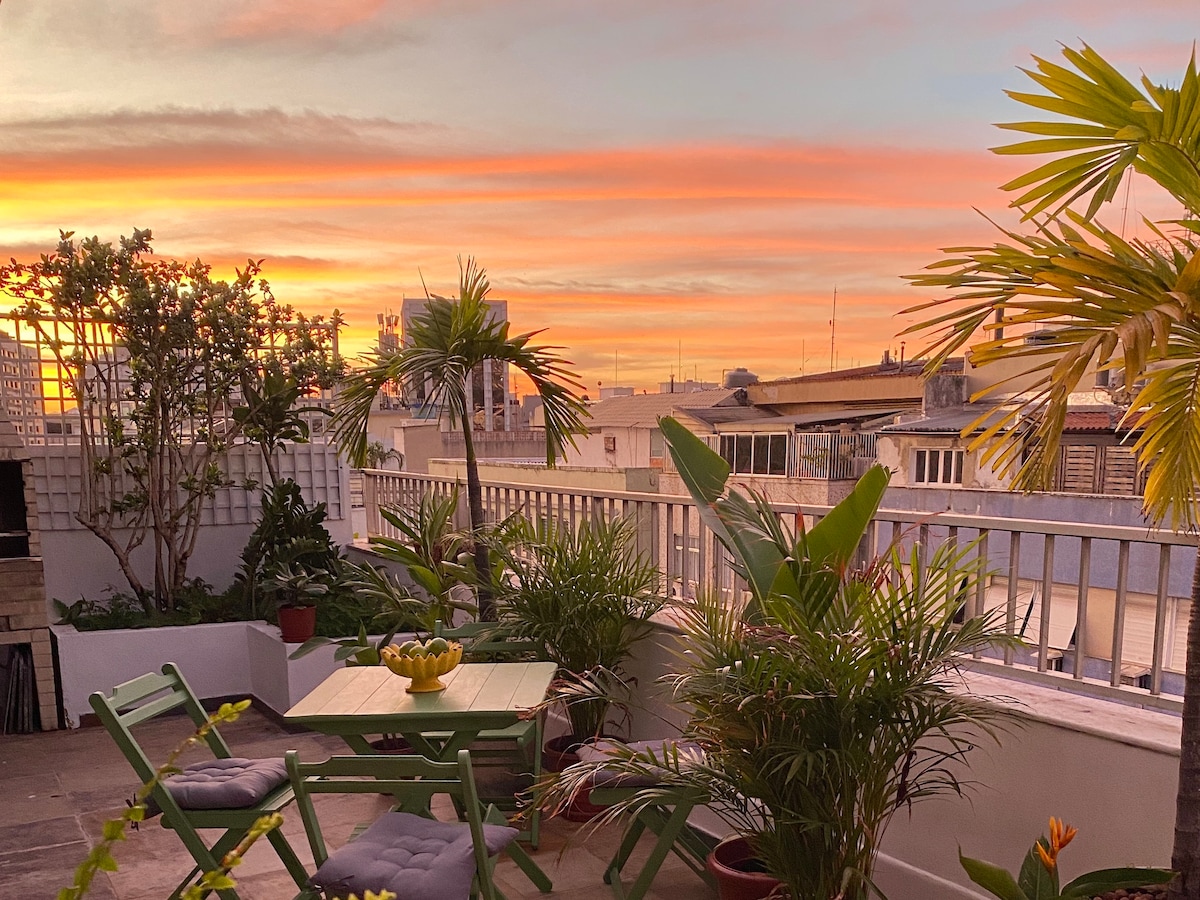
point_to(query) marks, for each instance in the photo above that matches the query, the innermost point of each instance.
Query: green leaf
(703, 471)
(1104, 880)
(992, 878)
(1034, 880)
(833, 540)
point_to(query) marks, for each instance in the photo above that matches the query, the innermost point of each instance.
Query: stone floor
(58, 788)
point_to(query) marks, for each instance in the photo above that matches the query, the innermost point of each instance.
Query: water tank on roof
(740, 377)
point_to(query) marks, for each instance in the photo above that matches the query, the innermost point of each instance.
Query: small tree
(152, 353)
(442, 346)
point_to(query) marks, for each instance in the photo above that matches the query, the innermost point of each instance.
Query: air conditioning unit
(610, 443)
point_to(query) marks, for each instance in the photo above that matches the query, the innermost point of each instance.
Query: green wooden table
(360, 700)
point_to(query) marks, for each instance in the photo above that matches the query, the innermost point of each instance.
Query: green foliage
(1112, 126)
(377, 456)
(367, 599)
(442, 346)
(151, 350)
(829, 700)
(584, 595)
(271, 417)
(433, 553)
(1099, 302)
(1038, 878)
(196, 603)
(289, 554)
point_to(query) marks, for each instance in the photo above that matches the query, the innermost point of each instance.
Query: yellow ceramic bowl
(424, 670)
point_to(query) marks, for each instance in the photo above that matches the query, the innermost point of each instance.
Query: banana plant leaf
(807, 567)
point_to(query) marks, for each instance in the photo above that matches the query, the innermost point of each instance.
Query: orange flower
(1047, 857)
(1061, 834)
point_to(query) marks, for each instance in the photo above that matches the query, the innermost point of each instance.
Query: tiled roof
(952, 366)
(1107, 418)
(646, 409)
(1100, 418)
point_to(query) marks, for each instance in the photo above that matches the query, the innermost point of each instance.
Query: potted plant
(826, 701)
(289, 539)
(398, 611)
(296, 592)
(585, 597)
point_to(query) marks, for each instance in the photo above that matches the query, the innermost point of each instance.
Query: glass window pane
(958, 466)
(727, 448)
(761, 452)
(947, 467)
(743, 452)
(778, 464)
(920, 467)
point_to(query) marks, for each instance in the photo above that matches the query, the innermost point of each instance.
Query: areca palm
(1102, 301)
(441, 347)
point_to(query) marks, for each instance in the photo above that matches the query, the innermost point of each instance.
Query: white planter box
(227, 659)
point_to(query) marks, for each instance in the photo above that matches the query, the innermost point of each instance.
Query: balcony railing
(1102, 609)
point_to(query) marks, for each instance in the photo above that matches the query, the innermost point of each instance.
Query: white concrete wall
(228, 659)
(632, 448)
(79, 564)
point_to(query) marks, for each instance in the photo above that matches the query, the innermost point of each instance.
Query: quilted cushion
(233, 783)
(411, 856)
(601, 750)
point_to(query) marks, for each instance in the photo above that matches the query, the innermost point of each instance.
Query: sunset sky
(666, 186)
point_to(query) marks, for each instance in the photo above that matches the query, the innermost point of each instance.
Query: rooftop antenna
(833, 332)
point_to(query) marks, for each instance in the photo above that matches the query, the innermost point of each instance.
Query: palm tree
(441, 347)
(1103, 302)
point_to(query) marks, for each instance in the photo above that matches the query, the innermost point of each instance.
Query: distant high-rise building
(390, 396)
(487, 383)
(21, 396)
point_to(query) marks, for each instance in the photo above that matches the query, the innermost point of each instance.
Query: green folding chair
(227, 793)
(502, 756)
(406, 851)
(662, 811)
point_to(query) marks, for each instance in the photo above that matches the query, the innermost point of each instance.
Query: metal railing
(1102, 609)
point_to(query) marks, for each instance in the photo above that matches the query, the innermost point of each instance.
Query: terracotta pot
(732, 864)
(297, 623)
(557, 754)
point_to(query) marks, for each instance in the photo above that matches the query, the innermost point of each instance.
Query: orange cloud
(732, 249)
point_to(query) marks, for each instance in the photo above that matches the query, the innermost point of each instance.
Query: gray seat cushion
(602, 750)
(414, 857)
(233, 783)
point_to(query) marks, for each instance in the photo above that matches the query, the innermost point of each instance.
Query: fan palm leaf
(1101, 302)
(1115, 126)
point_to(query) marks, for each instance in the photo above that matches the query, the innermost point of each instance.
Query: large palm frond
(1112, 125)
(441, 347)
(1101, 301)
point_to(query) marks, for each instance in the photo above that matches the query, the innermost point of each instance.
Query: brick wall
(23, 618)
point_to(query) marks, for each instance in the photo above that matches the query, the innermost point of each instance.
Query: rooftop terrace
(61, 786)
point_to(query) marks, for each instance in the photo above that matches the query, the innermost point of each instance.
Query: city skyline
(676, 187)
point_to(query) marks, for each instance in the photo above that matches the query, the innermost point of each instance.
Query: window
(938, 467)
(756, 454)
